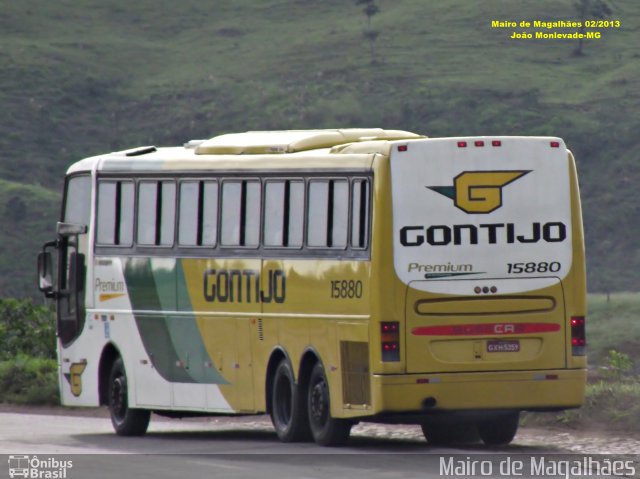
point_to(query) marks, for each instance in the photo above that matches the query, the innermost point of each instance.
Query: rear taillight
(390, 340)
(578, 336)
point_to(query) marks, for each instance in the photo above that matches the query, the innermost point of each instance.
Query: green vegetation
(83, 79)
(26, 329)
(619, 365)
(613, 324)
(28, 218)
(27, 380)
(28, 368)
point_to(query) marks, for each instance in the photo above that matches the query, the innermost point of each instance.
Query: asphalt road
(226, 448)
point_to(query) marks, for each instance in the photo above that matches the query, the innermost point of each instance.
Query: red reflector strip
(422, 381)
(403, 147)
(478, 143)
(555, 144)
(462, 144)
(486, 329)
(496, 143)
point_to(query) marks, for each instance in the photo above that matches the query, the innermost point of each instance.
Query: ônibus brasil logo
(479, 191)
(36, 468)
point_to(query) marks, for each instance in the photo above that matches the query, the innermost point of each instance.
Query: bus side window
(107, 213)
(156, 213)
(115, 213)
(337, 237)
(209, 218)
(328, 213)
(189, 214)
(283, 213)
(240, 221)
(198, 218)
(359, 213)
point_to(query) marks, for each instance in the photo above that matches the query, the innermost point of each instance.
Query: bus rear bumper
(521, 390)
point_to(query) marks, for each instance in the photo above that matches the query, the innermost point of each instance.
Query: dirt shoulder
(564, 439)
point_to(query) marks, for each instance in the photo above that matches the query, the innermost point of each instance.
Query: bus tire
(126, 421)
(288, 406)
(500, 430)
(326, 430)
(446, 434)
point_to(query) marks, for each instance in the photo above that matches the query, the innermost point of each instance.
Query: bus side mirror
(45, 273)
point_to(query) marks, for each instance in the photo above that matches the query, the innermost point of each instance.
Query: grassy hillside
(28, 215)
(84, 78)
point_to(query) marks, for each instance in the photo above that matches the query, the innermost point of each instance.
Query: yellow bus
(324, 277)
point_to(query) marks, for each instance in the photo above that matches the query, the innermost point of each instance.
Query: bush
(618, 364)
(27, 380)
(28, 367)
(26, 329)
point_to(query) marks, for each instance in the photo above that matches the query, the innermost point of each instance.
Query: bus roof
(291, 141)
(336, 148)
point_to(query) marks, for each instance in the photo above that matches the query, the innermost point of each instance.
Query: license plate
(503, 346)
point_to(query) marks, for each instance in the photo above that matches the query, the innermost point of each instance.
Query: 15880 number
(346, 289)
(541, 267)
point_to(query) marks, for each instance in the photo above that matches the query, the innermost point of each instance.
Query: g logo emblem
(74, 377)
(479, 191)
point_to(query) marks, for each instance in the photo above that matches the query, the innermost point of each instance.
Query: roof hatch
(291, 141)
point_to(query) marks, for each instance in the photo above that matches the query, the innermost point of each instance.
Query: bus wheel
(446, 434)
(499, 430)
(326, 430)
(126, 421)
(288, 408)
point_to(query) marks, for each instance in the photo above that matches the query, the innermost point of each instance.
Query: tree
(370, 9)
(587, 10)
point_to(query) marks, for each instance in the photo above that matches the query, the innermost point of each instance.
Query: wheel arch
(309, 359)
(277, 355)
(109, 355)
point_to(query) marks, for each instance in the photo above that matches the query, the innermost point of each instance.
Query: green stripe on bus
(186, 337)
(173, 342)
